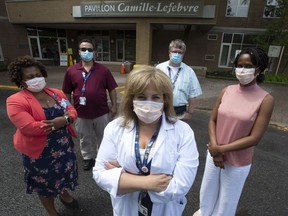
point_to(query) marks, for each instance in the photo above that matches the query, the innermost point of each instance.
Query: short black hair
(87, 41)
(258, 57)
(15, 68)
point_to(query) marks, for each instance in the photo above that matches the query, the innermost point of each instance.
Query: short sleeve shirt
(98, 83)
(186, 85)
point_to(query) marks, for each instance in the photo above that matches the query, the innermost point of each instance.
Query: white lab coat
(175, 154)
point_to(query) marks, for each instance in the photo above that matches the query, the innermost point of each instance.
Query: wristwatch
(68, 120)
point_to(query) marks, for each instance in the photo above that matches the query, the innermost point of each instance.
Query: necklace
(47, 102)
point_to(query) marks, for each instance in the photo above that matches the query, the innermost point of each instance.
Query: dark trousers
(180, 110)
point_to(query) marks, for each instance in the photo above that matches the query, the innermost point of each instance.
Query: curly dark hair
(15, 68)
(258, 57)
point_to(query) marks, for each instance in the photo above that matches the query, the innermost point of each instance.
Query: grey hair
(177, 44)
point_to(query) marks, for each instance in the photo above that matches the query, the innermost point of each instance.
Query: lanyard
(175, 77)
(142, 167)
(85, 77)
(63, 103)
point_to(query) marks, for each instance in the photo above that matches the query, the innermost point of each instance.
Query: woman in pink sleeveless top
(238, 121)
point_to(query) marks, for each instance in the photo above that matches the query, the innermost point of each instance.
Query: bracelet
(68, 121)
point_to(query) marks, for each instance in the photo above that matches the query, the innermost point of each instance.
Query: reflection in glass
(237, 8)
(130, 49)
(34, 48)
(224, 55)
(49, 48)
(120, 50)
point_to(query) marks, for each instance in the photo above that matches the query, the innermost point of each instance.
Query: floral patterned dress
(56, 168)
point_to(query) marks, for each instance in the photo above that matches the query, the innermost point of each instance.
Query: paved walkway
(210, 88)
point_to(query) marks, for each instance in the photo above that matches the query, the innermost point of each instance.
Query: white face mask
(36, 84)
(245, 75)
(148, 111)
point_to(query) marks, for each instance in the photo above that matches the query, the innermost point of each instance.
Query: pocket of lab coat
(179, 206)
(175, 207)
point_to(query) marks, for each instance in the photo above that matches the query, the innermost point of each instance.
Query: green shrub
(279, 78)
(3, 66)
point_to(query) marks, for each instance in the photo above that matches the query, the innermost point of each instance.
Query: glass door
(120, 50)
(34, 47)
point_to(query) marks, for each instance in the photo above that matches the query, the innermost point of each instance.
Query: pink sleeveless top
(236, 116)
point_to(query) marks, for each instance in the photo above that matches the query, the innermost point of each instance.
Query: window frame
(276, 9)
(99, 52)
(238, 8)
(212, 36)
(39, 47)
(1, 53)
(231, 46)
(209, 57)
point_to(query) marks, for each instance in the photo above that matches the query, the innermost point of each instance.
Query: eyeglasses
(84, 49)
(178, 52)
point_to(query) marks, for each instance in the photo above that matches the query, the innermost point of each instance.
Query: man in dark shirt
(88, 82)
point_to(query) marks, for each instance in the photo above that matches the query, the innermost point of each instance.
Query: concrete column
(143, 42)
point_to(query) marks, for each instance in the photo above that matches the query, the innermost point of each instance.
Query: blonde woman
(148, 159)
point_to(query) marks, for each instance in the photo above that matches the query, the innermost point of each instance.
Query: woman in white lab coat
(148, 159)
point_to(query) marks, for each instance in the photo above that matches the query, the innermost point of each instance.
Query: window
(212, 36)
(126, 46)
(209, 57)
(231, 44)
(1, 54)
(237, 8)
(34, 46)
(130, 49)
(102, 45)
(120, 50)
(46, 43)
(272, 9)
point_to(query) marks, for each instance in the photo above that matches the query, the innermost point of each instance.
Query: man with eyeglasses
(185, 84)
(88, 82)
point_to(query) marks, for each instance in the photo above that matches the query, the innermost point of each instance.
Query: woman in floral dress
(43, 118)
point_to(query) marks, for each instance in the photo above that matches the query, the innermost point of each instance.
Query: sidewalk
(210, 88)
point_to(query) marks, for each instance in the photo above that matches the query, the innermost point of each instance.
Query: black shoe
(72, 205)
(88, 164)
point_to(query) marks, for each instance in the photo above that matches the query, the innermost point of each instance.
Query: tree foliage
(276, 28)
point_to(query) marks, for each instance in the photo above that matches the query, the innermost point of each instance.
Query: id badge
(142, 209)
(82, 101)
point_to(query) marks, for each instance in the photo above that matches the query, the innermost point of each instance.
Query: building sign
(63, 59)
(274, 51)
(142, 9)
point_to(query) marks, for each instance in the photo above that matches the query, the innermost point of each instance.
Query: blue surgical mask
(176, 58)
(86, 56)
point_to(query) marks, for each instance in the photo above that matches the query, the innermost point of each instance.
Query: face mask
(245, 75)
(86, 56)
(176, 58)
(148, 111)
(36, 84)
